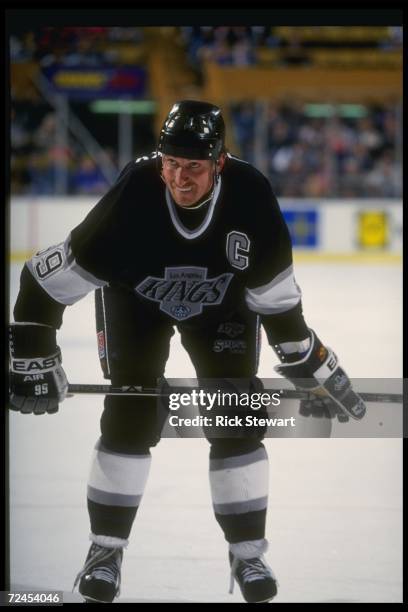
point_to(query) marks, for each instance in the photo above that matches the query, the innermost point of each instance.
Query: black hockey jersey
(134, 238)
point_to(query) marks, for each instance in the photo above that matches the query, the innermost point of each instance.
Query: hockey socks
(239, 489)
(115, 488)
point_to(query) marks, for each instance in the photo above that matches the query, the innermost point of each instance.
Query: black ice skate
(255, 578)
(99, 580)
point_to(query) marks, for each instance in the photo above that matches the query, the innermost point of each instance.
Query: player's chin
(185, 199)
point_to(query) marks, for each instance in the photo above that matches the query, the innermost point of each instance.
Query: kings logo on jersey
(183, 292)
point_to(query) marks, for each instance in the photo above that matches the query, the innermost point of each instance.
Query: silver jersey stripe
(238, 461)
(238, 159)
(253, 505)
(279, 295)
(63, 279)
(184, 231)
(113, 499)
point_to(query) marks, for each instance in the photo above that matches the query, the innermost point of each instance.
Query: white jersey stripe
(57, 272)
(279, 295)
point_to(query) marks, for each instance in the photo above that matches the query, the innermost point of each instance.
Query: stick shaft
(391, 398)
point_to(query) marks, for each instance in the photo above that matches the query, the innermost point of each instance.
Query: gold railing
(304, 83)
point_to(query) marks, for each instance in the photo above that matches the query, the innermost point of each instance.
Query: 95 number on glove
(37, 385)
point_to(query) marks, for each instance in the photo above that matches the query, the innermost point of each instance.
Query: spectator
(44, 137)
(84, 53)
(320, 157)
(244, 129)
(88, 179)
(384, 180)
(41, 172)
(325, 157)
(368, 135)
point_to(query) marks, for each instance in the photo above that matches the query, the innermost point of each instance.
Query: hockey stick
(390, 398)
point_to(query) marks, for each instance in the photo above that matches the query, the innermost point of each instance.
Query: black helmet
(194, 130)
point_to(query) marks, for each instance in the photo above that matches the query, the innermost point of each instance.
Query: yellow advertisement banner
(373, 229)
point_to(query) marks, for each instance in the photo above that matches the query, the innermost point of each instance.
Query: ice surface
(335, 512)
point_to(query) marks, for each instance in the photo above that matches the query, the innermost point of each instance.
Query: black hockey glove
(318, 371)
(37, 381)
(322, 407)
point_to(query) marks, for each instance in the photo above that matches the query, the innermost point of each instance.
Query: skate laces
(105, 564)
(248, 570)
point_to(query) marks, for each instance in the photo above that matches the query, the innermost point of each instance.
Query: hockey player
(191, 237)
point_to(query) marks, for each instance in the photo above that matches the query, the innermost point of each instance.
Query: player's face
(187, 179)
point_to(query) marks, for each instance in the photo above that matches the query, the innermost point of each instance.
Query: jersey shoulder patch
(153, 156)
(143, 163)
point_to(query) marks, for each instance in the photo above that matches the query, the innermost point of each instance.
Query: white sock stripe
(242, 484)
(108, 541)
(249, 548)
(120, 474)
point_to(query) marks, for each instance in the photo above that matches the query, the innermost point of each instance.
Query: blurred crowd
(226, 45)
(303, 155)
(41, 165)
(74, 46)
(243, 45)
(332, 156)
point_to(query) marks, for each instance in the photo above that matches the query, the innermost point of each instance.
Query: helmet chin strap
(200, 204)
